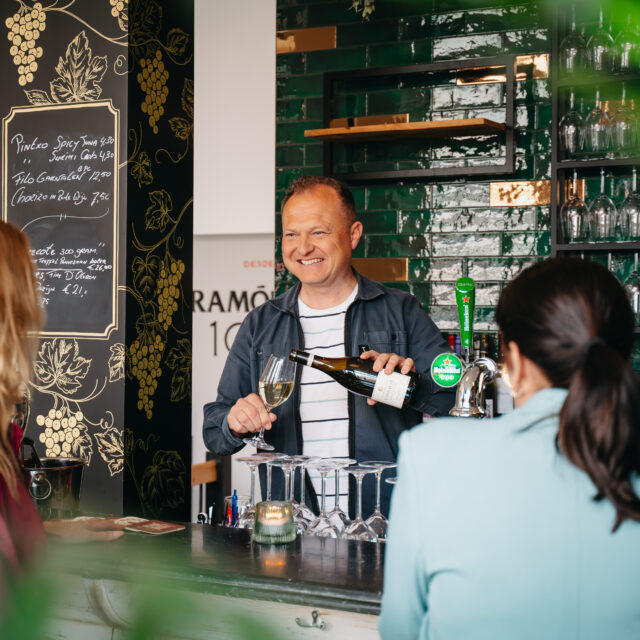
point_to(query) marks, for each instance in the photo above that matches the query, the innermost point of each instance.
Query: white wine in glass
(275, 387)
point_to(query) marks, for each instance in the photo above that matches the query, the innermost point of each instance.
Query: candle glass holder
(274, 522)
(376, 521)
(339, 519)
(359, 529)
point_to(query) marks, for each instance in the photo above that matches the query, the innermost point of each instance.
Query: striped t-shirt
(323, 402)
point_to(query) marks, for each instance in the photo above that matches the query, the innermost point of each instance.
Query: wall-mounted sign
(60, 186)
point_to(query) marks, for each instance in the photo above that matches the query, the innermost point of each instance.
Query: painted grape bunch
(117, 6)
(153, 81)
(25, 28)
(169, 291)
(62, 428)
(145, 354)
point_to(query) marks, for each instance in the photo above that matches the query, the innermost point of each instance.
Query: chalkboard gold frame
(104, 302)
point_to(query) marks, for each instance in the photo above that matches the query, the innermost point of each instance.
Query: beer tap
(478, 372)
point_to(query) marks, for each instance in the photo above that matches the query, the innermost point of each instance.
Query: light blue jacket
(495, 536)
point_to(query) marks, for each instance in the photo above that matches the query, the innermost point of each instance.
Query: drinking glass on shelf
(339, 519)
(288, 464)
(597, 128)
(600, 48)
(570, 128)
(275, 387)
(630, 212)
(574, 215)
(267, 456)
(624, 125)
(300, 509)
(246, 522)
(602, 215)
(359, 529)
(626, 52)
(376, 520)
(572, 49)
(322, 526)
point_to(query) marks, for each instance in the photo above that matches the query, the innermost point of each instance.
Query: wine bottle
(358, 376)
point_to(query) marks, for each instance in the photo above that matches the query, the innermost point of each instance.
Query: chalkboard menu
(60, 186)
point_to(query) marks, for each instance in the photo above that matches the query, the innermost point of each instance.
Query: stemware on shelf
(289, 464)
(626, 52)
(602, 215)
(570, 128)
(393, 480)
(574, 214)
(572, 49)
(339, 519)
(267, 457)
(630, 212)
(300, 510)
(376, 521)
(600, 49)
(275, 386)
(597, 128)
(359, 529)
(246, 522)
(322, 526)
(624, 125)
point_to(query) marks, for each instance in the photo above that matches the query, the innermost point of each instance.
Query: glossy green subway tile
(289, 110)
(359, 251)
(400, 8)
(445, 318)
(398, 101)
(401, 286)
(447, 24)
(278, 224)
(486, 294)
(380, 222)
(501, 18)
(497, 114)
(391, 246)
(336, 59)
(399, 197)
(623, 265)
(291, 18)
(482, 220)
(543, 219)
(526, 41)
(484, 319)
(497, 269)
(468, 147)
(466, 244)
(289, 155)
(397, 53)
(543, 116)
(313, 154)
(347, 105)
(436, 269)
(330, 13)
(525, 168)
(367, 33)
(291, 132)
(544, 243)
(525, 244)
(284, 177)
(541, 143)
(462, 47)
(414, 221)
(360, 197)
(419, 149)
(525, 116)
(299, 86)
(461, 195)
(288, 64)
(523, 141)
(422, 291)
(349, 154)
(414, 28)
(533, 91)
(542, 169)
(313, 109)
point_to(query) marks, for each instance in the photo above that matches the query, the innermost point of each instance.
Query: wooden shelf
(398, 130)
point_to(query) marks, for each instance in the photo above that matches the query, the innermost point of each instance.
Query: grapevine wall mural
(121, 402)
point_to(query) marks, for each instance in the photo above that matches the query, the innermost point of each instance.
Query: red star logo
(447, 361)
(465, 299)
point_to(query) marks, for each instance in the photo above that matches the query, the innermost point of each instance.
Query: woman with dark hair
(528, 526)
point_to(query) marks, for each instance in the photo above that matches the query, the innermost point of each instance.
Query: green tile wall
(445, 228)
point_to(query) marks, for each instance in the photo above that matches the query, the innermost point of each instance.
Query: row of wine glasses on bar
(599, 132)
(601, 221)
(601, 52)
(332, 523)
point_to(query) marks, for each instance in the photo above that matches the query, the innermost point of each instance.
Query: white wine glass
(322, 526)
(358, 529)
(338, 517)
(376, 520)
(275, 387)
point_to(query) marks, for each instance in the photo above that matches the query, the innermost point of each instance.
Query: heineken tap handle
(465, 299)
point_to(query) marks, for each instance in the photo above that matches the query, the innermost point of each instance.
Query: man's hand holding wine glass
(249, 415)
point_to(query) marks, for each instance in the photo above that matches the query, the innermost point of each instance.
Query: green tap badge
(465, 299)
(446, 370)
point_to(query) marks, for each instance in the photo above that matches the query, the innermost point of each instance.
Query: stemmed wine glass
(393, 480)
(597, 128)
(275, 387)
(300, 510)
(322, 526)
(630, 212)
(570, 127)
(339, 519)
(288, 464)
(376, 520)
(626, 48)
(574, 214)
(572, 49)
(602, 215)
(246, 522)
(624, 124)
(359, 529)
(600, 49)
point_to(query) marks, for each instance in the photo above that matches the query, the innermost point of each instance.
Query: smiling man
(333, 312)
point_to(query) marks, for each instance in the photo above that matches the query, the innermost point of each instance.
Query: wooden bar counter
(313, 587)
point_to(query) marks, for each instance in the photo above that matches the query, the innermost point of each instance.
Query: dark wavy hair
(306, 183)
(572, 318)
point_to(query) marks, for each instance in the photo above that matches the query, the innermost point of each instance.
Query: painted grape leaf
(187, 97)
(37, 96)
(141, 169)
(177, 41)
(82, 447)
(181, 127)
(79, 73)
(116, 362)
(162, 482)
(157, 215)
(145, 20)
(145, 274)
(110, 446)
(123, 20)
(179, 360)
(59, 365)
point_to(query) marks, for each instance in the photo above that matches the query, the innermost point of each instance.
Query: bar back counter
(313, 587)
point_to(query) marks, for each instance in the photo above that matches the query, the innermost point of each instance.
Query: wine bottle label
(391, 389)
